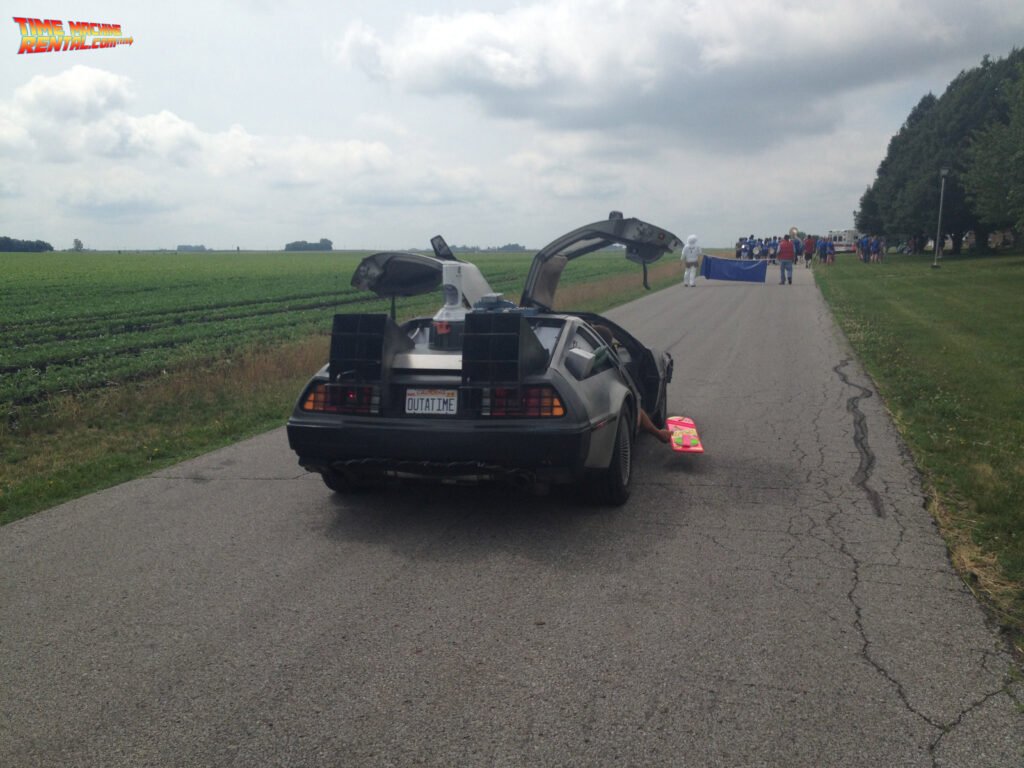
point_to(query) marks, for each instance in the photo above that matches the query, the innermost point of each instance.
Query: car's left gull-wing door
(403, 273)
(397, 273)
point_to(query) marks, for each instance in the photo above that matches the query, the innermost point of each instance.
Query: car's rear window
(547, 330)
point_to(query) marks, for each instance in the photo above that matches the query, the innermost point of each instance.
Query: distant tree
(191, 249)
(78, 245)
(13, 245)
(302, 245)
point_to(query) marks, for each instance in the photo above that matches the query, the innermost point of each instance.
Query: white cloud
(162, 135)
(114, 163)
(305, 161)
(385, 123)
(80, 94)
(14, 133)
(724, 76)
(234, 151)
(82, 115)
(116, 192)
(361, 46)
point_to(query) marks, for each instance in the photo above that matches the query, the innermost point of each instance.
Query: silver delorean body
(486, 389)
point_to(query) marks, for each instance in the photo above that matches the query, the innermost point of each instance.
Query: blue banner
(714, 268)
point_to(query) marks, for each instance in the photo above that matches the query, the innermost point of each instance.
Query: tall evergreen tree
(938, 133)
(994, 180)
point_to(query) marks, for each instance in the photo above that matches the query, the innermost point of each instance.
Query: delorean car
(486, 389)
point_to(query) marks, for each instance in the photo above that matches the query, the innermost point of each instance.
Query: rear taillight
(522, 402)
(342, 398)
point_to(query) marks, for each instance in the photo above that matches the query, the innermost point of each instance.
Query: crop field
(73, 322)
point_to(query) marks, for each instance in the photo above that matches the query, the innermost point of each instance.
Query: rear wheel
(615, 481)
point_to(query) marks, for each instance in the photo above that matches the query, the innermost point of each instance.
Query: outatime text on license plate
(435, 402)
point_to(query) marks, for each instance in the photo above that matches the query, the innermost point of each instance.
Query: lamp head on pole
(944, 171)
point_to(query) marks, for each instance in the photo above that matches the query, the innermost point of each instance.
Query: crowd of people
(804, 249)
(870, 248)
(785, 250)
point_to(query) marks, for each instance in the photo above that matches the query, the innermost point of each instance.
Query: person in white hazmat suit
(691, 256)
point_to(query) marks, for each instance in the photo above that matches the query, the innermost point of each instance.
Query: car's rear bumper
(543, 448)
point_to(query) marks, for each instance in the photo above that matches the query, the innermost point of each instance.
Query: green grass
(119, 364)
(946, 349)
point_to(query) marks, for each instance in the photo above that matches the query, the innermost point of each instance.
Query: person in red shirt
(809, 245)
(785, 256)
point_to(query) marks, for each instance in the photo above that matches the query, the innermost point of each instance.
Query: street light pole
(938, 235)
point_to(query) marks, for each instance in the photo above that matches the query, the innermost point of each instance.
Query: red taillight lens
(339, 398)
(524, 402)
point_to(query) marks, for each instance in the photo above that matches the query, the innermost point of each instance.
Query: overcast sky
(380, 124)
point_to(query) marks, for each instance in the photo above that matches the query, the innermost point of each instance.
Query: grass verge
(946, 350)
(74, 443)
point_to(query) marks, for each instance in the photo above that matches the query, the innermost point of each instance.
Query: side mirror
(579, 362)
(441, 249)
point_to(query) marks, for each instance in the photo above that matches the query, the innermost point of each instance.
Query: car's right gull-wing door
(644, 244)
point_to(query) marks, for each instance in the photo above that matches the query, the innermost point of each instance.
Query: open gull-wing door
(399, 273)
(402, 273)
(645, 244)
(395, 273)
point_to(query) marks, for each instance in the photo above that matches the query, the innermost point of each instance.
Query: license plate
(431, 402)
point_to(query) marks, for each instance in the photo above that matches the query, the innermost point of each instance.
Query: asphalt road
(782, 600)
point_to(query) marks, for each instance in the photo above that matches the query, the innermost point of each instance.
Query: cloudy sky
(252, 123)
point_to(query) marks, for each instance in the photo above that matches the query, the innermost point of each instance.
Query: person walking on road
(785, 256)
(691, 256)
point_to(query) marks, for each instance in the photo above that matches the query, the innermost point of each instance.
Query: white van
(845, 239)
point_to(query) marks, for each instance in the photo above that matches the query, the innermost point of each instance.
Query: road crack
(860, 440)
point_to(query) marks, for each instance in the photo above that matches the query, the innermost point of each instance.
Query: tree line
(13, 245)
(975, 130)
(302, 245)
